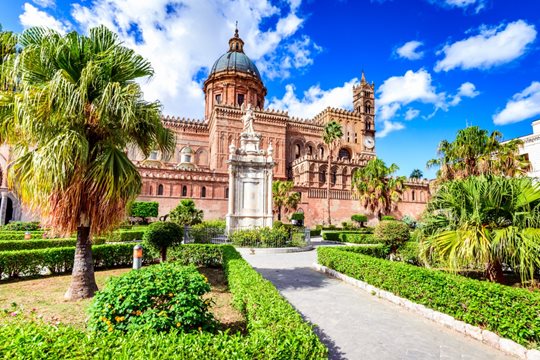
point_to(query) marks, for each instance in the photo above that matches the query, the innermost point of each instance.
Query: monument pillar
(250, 180)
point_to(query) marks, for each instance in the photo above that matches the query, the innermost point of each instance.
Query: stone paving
(357, 325)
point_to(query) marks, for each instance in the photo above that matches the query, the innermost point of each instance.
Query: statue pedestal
(250, 184)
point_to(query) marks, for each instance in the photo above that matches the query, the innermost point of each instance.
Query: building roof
(235, 60)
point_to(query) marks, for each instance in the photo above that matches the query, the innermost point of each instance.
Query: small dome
(186, 150)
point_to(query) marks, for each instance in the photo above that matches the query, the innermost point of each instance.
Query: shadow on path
(295, 278)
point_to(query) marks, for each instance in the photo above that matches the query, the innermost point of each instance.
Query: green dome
(235, 61)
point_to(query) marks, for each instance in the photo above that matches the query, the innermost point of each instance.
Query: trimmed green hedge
(353, 236)
(124, 235)
(376, 250)
(315, 232)
(511, 312)
(59, 260)
(21, 226)
(275, 329)
(19, 235)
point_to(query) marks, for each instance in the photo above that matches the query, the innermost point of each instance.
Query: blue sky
(438, 65)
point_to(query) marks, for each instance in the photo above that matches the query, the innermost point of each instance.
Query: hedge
(353, 236)
(59, 260)
(315, 232)
(124, 235)
(40, 244)
(510, 312)
(19, 235)
(275, 329)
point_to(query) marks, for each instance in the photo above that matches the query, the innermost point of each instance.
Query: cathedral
(198, 169)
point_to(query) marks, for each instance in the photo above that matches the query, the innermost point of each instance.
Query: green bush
(276, 330)
(315, 232)
(387, 218)
(360, 236)
(124, 235)
(331, 235)
(375, 250)
(299, 216)
(58, 260)
(510, 312)
(21, 226)
(409, 252)
(204, 232)
(186, 214)
(359, 218)
(159, 297)
(19, 235)
(40, 244)
(263, 237)
(198, 255)
(392, 233)
(161, 235)
(144, 210)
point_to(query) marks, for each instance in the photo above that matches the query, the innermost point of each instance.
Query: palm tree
(78, 107)
(284, 196)
(332, 134)
(378, 191)
(416, 174)
(485, 221)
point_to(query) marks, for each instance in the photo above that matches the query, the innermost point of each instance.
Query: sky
(438, 65)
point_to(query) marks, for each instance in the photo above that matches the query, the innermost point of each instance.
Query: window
(412, 194)
(355, 138)
(150, 190)
(160, 189)
(368, 125)
(333, 176)
(344, 154)
(153, 155)
(321, 152)
(297, 151)
(322, 175)
(218, 99)
(368, 109)
(226, 193)
(203, 192)
(240, 99)
(184, 190)
(310, 150)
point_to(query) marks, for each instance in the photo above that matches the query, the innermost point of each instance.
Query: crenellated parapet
(185, 123)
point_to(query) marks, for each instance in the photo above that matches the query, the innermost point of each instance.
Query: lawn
(45, 298)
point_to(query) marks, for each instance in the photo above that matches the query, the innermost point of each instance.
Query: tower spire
(363, 80)
(236, 44)
(236, 30)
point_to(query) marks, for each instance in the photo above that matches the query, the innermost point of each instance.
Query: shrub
(359, 218)
(42, 244)
(347, 225)
(510, 312)
(299, 216)
(22, 226)
(198, 255)
(331, 235)
(124, 235)
(315, 232)
(375, 250)
(392, 233)
(204, 232)
(387, 218)
(186, 213)
(409, 252)
(144, 210)
(159, 297)
(410, 221)
(277, 224)
(363, 236)
(161, 235)
(19, 235)
(262, 237)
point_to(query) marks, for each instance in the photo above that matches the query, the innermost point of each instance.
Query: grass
(45, 298)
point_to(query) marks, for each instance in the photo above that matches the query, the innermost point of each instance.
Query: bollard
(137, 257)
(27, 235)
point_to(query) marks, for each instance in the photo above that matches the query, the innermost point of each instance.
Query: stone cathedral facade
(198, 168)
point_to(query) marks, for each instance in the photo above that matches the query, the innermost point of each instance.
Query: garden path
(357, 325)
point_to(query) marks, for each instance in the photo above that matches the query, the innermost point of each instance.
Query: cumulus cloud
(182, 39)
(32, 16)
(45, 3)
(491, 47)
(467, 89)
(389, 127)
(523, 105)
(411, 113)
(410, 51)
(314, 100)
(474, 5)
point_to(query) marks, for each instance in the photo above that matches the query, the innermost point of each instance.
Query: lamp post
(137, 257)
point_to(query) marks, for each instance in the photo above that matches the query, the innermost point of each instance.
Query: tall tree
(416, 174)
(78, 106)
(474, 152)
(284, 196)
(186, 213)
(485, 221)
(378, 191)
(331, 136)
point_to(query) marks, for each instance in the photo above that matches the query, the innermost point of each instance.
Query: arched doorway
(9, 210)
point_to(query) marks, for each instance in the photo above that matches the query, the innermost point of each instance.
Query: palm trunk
(83, 282)
(279, 213)
(329, 219)
(163, 254)
(494, 272)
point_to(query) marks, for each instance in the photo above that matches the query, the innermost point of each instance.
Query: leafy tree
(186, 214)
(144, 210)
(8, 49)
(161, 235)
(392, 233)
(360, 219)
(485, 221)
(78, 106)
(284, 196)
(416, 174)
(378, 191)
(332, 134)
(477, 152)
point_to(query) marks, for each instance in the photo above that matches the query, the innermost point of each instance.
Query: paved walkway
(357, 325)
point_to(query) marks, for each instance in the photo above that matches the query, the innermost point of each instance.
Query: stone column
(3, 208)
(232, 190)
(270, 197)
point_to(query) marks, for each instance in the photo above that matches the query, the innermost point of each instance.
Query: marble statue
(247, 119)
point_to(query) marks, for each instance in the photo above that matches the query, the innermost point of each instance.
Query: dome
(235, 61)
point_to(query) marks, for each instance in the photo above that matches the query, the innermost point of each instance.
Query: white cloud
(411, 113)
(183, 39)
(475, 5)
(32, 16)
(467, 89)
(402, 90)
(409, 50)
(388, 127)
(45, 3)
(523, 106)
(491, 47)
(314, 99)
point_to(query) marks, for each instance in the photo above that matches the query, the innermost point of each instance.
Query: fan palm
(416, 174)
(485, 221)
(332, 134)
(378, 191)
(76, 109)
(284, 196)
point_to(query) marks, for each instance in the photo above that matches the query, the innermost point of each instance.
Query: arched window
(184, 190)
(203, 192)
(368, 109)
(333, 176)
(344, 154)
(368, 125)
(321, 152)
(322, 174)
(297, 151)
(150, 190)
(160, 189)
(310, 150)
(226, 193)
(412, 194)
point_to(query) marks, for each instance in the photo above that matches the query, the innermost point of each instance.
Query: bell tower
(364, 103)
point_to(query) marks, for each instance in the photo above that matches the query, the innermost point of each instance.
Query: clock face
(369, 142)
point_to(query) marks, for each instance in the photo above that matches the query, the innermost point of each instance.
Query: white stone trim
(490, 338)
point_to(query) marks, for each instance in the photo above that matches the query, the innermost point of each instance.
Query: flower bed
(510, 312)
